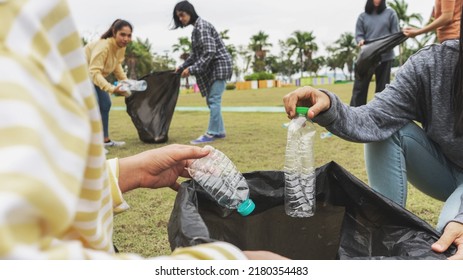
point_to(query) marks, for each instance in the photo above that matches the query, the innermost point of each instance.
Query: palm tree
(259, 44)
(138, 58)
(184, 47)
(304, 44)
(401, 7)
(246, 56)
(346, 47)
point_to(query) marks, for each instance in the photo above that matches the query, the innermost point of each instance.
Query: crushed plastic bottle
(132, 85)
(299, 166)
(324, 135)
(219, 177)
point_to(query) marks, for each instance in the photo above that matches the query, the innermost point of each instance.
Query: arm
(380, 118)
(359, 31)
(209, 48)
(119, 73)
(444, 19)
(160, 168)
(96, 65)
(394, 23)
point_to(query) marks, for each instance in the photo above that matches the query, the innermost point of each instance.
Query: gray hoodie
(373, 26)
(420, 92)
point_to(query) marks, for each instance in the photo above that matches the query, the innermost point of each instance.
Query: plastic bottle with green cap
(299, 166)
(219, 177)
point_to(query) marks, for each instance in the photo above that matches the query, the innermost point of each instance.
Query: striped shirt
(57, 192)
(209, 59)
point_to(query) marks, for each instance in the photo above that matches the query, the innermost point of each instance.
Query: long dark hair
(117, 25)
(184, 6)
(370, 7)
(457, 92)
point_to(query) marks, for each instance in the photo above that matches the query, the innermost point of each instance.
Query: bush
(259, 76)
(230, 86)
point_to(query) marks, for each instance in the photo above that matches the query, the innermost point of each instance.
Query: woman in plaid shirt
(209, 62)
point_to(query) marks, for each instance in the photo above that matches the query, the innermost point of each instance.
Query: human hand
(263, 255)
(119, 91)
(158, 168)
(308, 97)
(410, 32)
(361, 43)
(186, 73)
(453, 233)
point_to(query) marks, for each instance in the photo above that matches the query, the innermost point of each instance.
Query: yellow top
(57, 191)
(105, 57)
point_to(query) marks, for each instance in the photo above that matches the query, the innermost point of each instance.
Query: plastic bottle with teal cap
(299, 166)
(220, 178)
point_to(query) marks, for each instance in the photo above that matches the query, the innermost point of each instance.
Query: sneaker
(105, 151)
(112, 143)
(203, 139)
(219, 136)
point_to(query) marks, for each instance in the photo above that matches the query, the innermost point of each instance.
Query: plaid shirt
(209, 59)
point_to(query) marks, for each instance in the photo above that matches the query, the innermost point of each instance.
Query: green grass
(255, 141)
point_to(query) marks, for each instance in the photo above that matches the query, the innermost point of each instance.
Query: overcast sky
(151, 19)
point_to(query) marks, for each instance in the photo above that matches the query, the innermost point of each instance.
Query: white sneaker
(105, 151)
(112, 143)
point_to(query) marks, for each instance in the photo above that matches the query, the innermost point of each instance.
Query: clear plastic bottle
(132, 85)
(217, 174)
(299, 166)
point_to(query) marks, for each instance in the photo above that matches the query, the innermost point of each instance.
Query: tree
(138, 58)
(347, 51)
(304, 44)
(334, 60)
(246, 57)
(163, 62)
(184, 47)
(259, 44)
(401, 7)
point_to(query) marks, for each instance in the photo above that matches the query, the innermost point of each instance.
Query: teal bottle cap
(302, 110)
(246, 207)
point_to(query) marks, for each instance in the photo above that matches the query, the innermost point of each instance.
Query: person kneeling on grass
(428, 90)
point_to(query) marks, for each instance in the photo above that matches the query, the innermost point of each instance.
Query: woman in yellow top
(104, 57)
(447, 14)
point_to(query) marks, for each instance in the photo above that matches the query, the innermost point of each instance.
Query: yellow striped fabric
(56, 198)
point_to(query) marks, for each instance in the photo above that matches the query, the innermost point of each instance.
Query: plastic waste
(132, 85)
(324, 135)
(299, 166)
(219, 177)
(370, 53)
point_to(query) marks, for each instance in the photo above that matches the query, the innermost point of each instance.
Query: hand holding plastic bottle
(317, 100)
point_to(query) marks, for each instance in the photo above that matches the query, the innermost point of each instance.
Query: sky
(152, 19)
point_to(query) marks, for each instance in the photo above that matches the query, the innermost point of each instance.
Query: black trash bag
(351, 221)
(370, 54)
(152, 110)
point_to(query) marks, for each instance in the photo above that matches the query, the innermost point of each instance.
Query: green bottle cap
(302, 110)
(246, 207)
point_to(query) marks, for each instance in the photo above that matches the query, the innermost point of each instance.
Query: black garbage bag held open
(152, 110)
(370, 54)
(351, 221)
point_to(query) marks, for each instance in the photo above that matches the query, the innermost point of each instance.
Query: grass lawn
(255, 141)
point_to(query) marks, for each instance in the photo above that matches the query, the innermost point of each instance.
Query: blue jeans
(104, 102)
(214, 102)
(410, 155)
